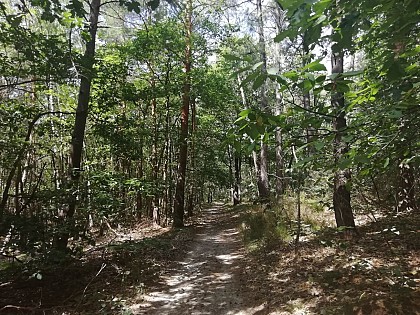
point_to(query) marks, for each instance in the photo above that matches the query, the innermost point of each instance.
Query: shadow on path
(207, 281)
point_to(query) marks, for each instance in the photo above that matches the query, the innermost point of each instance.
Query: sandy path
(208, 280)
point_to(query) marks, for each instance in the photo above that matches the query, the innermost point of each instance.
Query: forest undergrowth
(377, 272)
(98, 282)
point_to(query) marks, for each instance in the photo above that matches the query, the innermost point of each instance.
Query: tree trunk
(237, 180)
(178, 214)
(341, 196)
(155, 211)
(166, 205)
(78, 136)
(167, 173)
(405, 195)
(280, 181)
(262, 170)
(192, 181)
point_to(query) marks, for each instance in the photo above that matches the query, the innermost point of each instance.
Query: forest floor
(207, 268)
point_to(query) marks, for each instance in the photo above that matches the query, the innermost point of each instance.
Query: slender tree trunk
(231, 175)
(191, 194)
(155, 211)
(237, 180)
(78, 136)
(405, 195)
(280, 181)
(178, 214)
(166, 205)
(341, 196)
(140, 174)
(262, 170)
(167, 174)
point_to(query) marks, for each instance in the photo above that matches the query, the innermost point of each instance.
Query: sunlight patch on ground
(204, 282)
(250, 310)
(228, 259)
(223, 276)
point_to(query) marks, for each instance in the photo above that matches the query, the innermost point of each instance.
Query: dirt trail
(207, 281)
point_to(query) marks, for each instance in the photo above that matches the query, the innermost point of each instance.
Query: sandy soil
(208, 280)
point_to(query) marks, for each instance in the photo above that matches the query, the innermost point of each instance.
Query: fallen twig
(84, 291)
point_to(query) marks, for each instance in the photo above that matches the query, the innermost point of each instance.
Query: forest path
(208, 280)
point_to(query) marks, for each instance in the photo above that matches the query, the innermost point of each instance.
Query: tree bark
(155, 211)
(280, 181)
(237, 180)
(262, 169)
(78, 135)
(405, 195)
(178, 214)
(191, 195)
(341, 196)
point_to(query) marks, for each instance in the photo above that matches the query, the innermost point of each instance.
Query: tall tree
(280, 15)
(178, 214)
(341, 194)
(82, 109)
(261, 162)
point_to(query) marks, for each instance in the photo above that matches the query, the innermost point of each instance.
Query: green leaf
(320, 79)
(315, 66)
(344, 163)
(412, 52)
(333, 76)
(133, 6)
(320, 19)
(250, 147)
(320, 6)
(16, 21)
(281, 80)
(292, 75)
(234, 74)
(250, 78)
(348, 138)
(154, 4)
(395, 114)
(395, 71)
(362, 158)
(232, 57)
(352, 73)
(257, 65)
(67, 18)
(343, 88)
(386, 163)
(365, 172)
(318, 145)
(245, 112)
(307, 85)
(259, 81)
(76, 7)
(289, 33)
(252, 131)
(85, 35)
